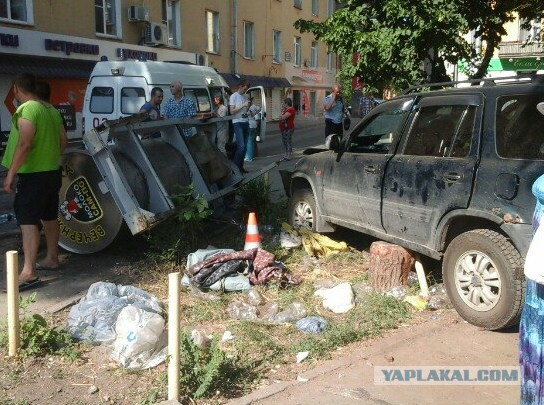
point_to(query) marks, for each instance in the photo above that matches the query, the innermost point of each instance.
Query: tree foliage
(402, 42)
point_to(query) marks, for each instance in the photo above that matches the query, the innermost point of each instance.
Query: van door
(259, 99)
(112, 97)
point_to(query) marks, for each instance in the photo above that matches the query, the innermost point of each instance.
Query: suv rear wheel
(302, 211)
(483, 275)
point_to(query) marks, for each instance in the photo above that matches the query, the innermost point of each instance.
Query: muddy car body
(446, 173)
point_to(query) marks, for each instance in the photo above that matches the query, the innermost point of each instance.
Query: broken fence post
(174, 283)
(12, 270)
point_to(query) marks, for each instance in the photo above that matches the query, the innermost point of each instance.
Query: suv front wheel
(483, 275)
(302, 210)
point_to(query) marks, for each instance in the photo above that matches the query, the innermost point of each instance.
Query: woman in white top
(253, 113)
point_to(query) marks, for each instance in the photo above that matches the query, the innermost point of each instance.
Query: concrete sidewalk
(442, 339)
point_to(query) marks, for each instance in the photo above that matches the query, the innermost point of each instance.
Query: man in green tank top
(35, 144)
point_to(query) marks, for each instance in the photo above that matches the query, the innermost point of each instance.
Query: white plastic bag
(141, 339)
(339, 299)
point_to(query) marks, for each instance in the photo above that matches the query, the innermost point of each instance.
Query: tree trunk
(390, 266)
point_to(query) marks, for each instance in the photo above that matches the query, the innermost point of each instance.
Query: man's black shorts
(37, 197)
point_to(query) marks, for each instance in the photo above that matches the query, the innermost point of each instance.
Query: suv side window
(441, 131)
(380, 132)
(519, 127)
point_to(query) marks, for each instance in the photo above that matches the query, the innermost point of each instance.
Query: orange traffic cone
(253, 239)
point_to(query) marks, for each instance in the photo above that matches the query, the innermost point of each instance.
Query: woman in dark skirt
(531, 328)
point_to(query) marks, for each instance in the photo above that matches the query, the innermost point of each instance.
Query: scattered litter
(242, 310)
(227, 335)
(302, 379)
(314, 243)
(92, 320)
(389, 358)
(201, 340)
(141, 339)
(293, 312)
(254, 297)
(339, 299)
(312, 324)
(362, 291)
(7, 218)
(437, 289)
(438, 302)
(398, 292)
(238, 282)
(269, 311)
(416, 301)
(301, 356)
(93, 389)
(201, 295)
(412, 279)
(289, 241)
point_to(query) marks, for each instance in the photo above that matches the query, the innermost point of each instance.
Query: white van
(119, 89)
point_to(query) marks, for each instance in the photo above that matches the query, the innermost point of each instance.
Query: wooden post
(12, 270)
(390, 266)
(174, 283)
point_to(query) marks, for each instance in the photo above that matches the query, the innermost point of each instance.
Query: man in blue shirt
(180, 107)
(152, 107)
(334, 110)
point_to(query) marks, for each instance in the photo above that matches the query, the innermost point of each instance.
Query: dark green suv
(446, 173)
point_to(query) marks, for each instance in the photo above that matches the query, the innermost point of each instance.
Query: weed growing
(37, 339)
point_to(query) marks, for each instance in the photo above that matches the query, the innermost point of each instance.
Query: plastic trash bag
(312, 324)
(242, 310)
(398, 292)
(93, 318)
(293, 312)
(141, 339)
(289, 241)
(339, 299)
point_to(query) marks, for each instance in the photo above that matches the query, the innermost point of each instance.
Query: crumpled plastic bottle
(398, 292)
(293, 312)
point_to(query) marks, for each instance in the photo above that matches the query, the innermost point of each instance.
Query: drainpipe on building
(233, 37)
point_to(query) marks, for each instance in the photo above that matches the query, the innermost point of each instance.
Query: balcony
(507, 49)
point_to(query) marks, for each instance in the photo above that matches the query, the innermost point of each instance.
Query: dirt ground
(97, 379)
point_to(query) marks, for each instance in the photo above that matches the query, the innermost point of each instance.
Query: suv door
(434, 172)
(352, 179)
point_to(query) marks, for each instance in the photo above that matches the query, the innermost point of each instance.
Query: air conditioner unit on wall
(156, 34)
(201, 60)
(137, 13)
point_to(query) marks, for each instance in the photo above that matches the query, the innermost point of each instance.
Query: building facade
(60, 41)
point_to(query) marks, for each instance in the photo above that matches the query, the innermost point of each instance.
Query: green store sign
(500, 64)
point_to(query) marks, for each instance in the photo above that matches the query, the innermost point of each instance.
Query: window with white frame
(212, 31)
(313, 55)
(298, 51)
(249, 40)
(331, 7)
(171, 18)
(276, 43)
(16, 10)
(315, 7)
(329, 61)
(108, 17)
(297, 4)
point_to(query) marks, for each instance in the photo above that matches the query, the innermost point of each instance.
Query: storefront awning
(46, 67)
(267, 82)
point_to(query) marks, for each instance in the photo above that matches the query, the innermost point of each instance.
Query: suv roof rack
(485, 82)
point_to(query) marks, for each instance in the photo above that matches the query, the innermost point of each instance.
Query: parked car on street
(446, 173)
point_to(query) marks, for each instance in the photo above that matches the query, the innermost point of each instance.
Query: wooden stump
(390, 266)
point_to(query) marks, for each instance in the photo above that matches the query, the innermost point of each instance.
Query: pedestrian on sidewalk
(222, 131)
(35, 144)
(153, 106)
(180, 107)
(287, 127)
(333, 105)
(239, 105)
(253, 115)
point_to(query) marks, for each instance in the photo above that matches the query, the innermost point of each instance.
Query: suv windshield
(382, 130)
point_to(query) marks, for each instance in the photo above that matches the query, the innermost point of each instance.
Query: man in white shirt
(239, 105)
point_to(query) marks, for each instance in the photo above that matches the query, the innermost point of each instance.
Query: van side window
(201, 99)
(102, 100)
(132, 99)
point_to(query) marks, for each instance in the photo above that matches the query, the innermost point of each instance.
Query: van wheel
(483, 275)
(302, 209)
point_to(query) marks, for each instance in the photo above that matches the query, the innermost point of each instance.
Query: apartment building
(60, 41)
